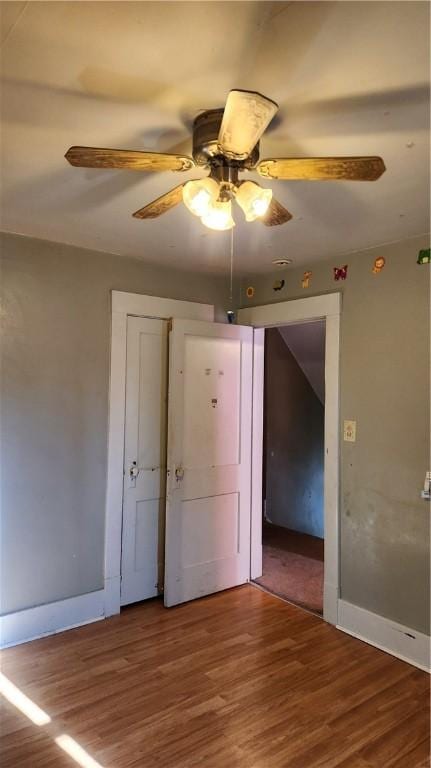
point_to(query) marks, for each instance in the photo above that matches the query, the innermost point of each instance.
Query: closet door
(142, 550)
(209, 459)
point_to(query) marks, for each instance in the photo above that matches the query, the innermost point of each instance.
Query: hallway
(293, 567)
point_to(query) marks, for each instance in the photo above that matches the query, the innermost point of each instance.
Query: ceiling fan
(226, 142)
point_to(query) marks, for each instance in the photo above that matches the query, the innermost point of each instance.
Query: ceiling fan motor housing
(206, 128)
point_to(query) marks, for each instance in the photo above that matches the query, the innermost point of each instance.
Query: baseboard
(32, 623)
(400, 641)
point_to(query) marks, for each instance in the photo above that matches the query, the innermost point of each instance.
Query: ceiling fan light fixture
(199, 195)
(219, 216)
(253, 200)
(226, 142)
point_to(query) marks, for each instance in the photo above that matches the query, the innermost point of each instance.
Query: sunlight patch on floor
(25, 705)
(77, 752)
(37, 716)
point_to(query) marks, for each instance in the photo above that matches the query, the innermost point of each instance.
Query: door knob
(179, 473)
(134, 470)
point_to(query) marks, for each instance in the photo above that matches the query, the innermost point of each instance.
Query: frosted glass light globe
(219, 216)
(253, 200)
(198, 195)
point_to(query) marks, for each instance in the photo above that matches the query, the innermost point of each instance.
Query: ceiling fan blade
(322, 168)
(161, 205)
(95, 157)
(276, 214)
(246, 115)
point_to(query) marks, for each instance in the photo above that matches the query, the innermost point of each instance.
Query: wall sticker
(379, 263)
(424, 256)
(306, 277)
(340, 273)
(249, 292)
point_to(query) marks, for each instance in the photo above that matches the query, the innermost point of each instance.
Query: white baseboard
(400, 641)
(20, 627)
(32, 623)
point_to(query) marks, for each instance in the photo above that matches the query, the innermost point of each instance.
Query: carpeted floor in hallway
(293, 567)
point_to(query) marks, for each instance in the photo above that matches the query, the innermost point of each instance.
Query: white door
(142, 547)
(209, 459)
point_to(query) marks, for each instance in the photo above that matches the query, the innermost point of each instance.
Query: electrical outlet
(350, 431)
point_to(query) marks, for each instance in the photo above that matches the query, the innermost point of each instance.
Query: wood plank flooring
(236, 680)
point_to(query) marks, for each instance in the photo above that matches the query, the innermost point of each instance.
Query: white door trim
(326, 307)
(256, 456)
(122, 305)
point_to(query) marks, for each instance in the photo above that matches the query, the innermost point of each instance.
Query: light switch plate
(350, 431)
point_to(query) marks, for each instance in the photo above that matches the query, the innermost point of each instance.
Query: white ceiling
(351, 79)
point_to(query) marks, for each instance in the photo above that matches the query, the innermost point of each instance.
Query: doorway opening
(293, 464)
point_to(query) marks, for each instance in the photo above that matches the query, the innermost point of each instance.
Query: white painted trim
(32, 623)
(155, 306)
(256, 459)
(327, 307)
(331, 473)
(293, 311)
(124, 304)
(400, 641)
(114, 481)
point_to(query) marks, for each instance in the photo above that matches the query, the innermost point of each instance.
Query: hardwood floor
(239, 679)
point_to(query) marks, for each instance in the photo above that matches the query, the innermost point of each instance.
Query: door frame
(122, 305)
(324, 307)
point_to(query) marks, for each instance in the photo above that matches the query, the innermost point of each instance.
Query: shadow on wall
(294, 432)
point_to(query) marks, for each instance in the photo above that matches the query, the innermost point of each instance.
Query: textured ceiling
(351, 78)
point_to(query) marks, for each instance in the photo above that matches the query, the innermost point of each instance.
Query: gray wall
(294, 440)
(54, 404)
(385, 366)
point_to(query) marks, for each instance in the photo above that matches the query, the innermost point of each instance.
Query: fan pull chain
(230, 313)
(231, 269)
